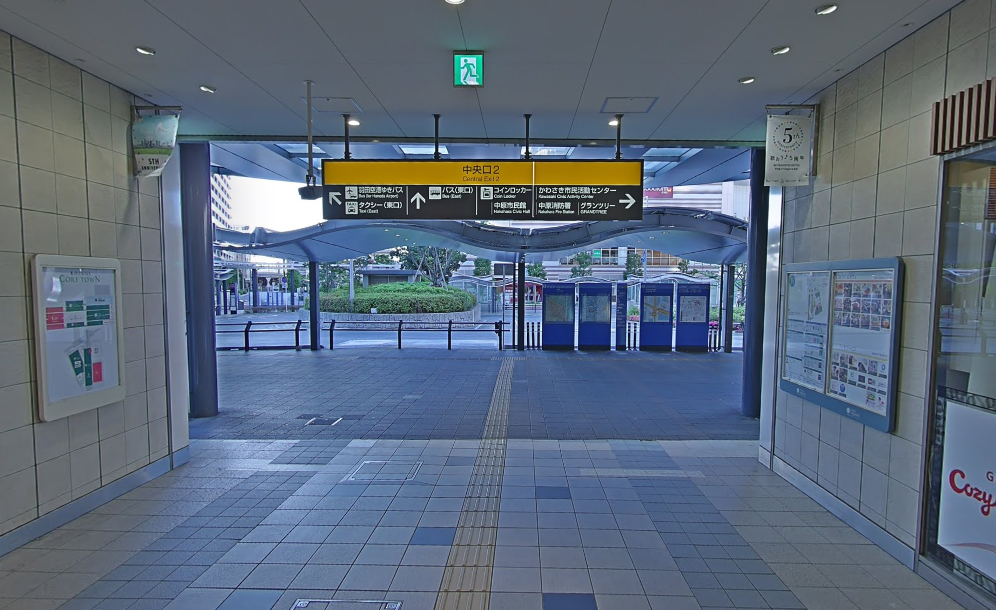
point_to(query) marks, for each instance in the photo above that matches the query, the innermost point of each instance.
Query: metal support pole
(297, 335)
(332, 335)
(449, 335)
(255, 288)
(436, 155)
(352, 289)
(400, 322)
(224, 299)
(529, 155)
(246, 337)
(619, 118)
(728, 289)
(754, 318)
(198, 257)
(521, 269)
(314, 319)
(345, 124)
(722, 301)
(217, 297)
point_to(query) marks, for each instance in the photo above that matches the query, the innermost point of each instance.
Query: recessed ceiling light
(613, 122)
(746, 80)
(208, 89)
(825, 9)
(146, 50)
(780, 50)
(454, 1)
(353, 122)
(906, 25)
(80, 60)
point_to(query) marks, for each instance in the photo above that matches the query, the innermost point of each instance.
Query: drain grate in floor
(383, 471)
(344, 604)
(322, 421)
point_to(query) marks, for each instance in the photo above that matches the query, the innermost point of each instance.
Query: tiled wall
(876, 195)
(66, 187)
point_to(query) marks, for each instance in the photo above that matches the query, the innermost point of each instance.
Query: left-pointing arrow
(417, 199)
(335, 195)
(628, 200)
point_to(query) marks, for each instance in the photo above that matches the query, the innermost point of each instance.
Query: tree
(683, 266)
(383, 259)
(740, 283)
(482, 267)
(436, 264)
(336, 275)
(583, 266)
(634, 265)
(536, 270)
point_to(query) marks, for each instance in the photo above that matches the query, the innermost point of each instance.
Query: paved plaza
(386, 393)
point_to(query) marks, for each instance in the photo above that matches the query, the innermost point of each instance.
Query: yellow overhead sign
(478, 172)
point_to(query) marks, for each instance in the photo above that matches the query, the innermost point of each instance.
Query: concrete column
(521, 269)
(255, 288)
(729, 288)
(315, 320)
(198, 254)
(757, 247)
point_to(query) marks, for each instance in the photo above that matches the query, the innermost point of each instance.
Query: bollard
(297, 335)
(449, 336)
(248, 326)
(332, 335)
(501, 339)
(400, 322)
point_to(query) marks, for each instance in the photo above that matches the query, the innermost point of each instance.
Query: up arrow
(335, 195)
(417, 199)
(628, 200)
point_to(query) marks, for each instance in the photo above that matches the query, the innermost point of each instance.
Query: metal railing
(246, 329)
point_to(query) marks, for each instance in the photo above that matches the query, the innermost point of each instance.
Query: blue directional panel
(622, 311)
(692, 332)
(656, 317)
(558, 316)
(594, 316)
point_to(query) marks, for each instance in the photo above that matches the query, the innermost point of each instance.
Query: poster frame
(47, 410)
(885, 423)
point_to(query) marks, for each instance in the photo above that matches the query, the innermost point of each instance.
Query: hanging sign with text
(153, 138)
(483, 190)
(788, 150)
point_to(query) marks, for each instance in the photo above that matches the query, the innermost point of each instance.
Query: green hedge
(399, 298)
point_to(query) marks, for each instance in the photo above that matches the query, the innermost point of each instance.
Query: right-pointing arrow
(335, 196)
(628, 200)
(417, 199)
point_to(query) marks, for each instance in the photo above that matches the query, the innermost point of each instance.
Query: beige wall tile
(41, 232)
(16, 406)
(83, 430)
(904, 462)
(840, 203)
(152, 276)
(871, 76)
(919, 138)
(54, 480)
(7, 104)
(136, 410)
(74, 236)
(70, 158)
(133, 310)
(897, 99)
(84, 466)
(134, 344)
(137, 444)
(840, 241)
(909, 418)
(96, 92)
(865, 195)
(847, 91)
(845, 127)
(99, 165)
(863, 238)
(20, 490)
(8, 139)
(121, 102)
(819, 210)
(891, 191)
(51, 439)
(70, 196)
(969, 20)
(899, 60)
(10, 184)
(31, 63)
(67, 116)
(149, 211)
(919, 231)
(131, 276)
(66, 79)
(112, 457)
(37, 190)
(912, 371)
(895, 146)
(967, 65)
(931, 41)
(135, 377)
(874, 493)
(869, 118)
(920, 273)
(843, 165)
(916, 325)
(10, 229)
(6, 60)
(103, 239)
(97, 127)
(155, 372)
(866, 153)
(14, 313)
(34, 103)
(889, 235)
(35, 146)
(110, 419)
(156, 398)
(928, 86)
(126, 204)
(158, 435)
(17, 450)
(151, 245)
(12, 276)
(902, 506)
(15, 358)
(922, 180)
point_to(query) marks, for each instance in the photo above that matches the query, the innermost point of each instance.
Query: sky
(272, 204)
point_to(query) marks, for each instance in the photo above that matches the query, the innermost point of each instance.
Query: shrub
(399, 298)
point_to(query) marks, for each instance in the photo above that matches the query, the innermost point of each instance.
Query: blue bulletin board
(692, 323)
(594, 316)
(558, 315)
(622, 306)
(656, 317)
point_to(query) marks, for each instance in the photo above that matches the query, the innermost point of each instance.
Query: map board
(840, 335)
(79, 332)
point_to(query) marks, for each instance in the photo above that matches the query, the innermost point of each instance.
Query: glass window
(961, 480)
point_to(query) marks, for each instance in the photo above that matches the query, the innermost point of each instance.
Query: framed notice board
(79, 334)
(840, 337)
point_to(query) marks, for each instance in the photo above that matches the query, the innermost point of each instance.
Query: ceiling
(557, 59)
(688, 233)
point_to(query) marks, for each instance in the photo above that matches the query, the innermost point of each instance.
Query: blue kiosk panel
(692, 333)
(558, 316)
(622, 311)
(594, 316)
(656, 317)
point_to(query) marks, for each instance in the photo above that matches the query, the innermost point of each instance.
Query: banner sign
(153, 138)
(79, 334)
(788, 150)
(967, 524)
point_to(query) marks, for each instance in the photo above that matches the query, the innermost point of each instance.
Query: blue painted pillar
(198, 256)
(757, 246)
(315, 321)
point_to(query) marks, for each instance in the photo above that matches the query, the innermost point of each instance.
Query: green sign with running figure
(468, 69)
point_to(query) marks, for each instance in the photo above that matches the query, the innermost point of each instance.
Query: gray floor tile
(516, 580)
(561, 601)
(271, 576)
(620, 582)
(560, 580)
(250, 600)
(562, 557)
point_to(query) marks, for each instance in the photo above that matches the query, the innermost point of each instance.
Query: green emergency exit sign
(468, 69)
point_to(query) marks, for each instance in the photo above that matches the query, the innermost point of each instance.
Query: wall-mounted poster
(595, 308)
(861, 338)
(80, 334)
(558, 308)
(807, 298)
(153, 139)
(693, 308)
(656, 308)
(840, 336)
